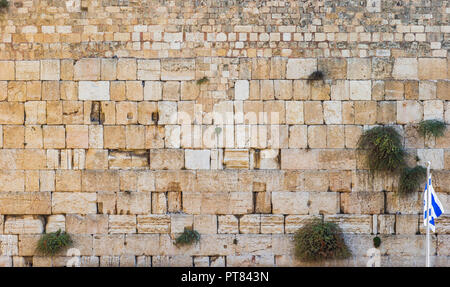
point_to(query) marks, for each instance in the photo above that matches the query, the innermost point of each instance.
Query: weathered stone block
(290, 202)
(27, 70)
(93, 91)
(122, 224)
(25, 203)
(350, 223)
(87, 69)
(23, 225)
(177, 69)
(74, 202)
(197, 159)
(300, 68)
(228, 224)
(362, 202)
(153, 223)
(405, 68)
(7, 70)
(50, 70)
(126, 69)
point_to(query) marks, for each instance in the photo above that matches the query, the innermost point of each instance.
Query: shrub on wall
(318, 240)
(52, 243)
(4, 4)
(384, 148)
(188, 237)
(431, 128)
(412, 178)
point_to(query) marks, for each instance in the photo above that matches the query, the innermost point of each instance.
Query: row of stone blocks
(218, 250)
(203, 181)
(96, 69)
(195, 203)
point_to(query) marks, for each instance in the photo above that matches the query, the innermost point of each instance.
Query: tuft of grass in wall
(316, 76)
(51, 243)
(411, 179)
(4, 4)
(384, 148)
(376, 242)
(188, 237)
(202, 81)
(318, 240)
(431, 128)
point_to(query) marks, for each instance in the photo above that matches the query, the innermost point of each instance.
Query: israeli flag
(436, 208)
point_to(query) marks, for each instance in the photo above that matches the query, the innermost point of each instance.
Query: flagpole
(428, 214)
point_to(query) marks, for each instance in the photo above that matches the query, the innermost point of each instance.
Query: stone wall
(122, 122)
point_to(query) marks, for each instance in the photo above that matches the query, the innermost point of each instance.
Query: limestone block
(197, 159)
(360, 90)
(122, 224)
(433, 110)
(295, 222)
(409, 112)
(27, 224)
(94, 180)
(205, 223)
(108, 244)
(299, 159)
(241, 90)
(50, 70)
(272, 223)
(260, 68)
(429, 68)
(443, 90)
(405, 68)
(324, 203)
(133, 202)
(227, 224)
(340, 90)
(153, 223)
(436, 156)
(167, 112)
(350, 223)
(358, 68)
(313, 113)
(11, 113)
(142, 244)
(240, 203)
(87, 224)
(337, 159)
(27, 70)
(17, 91)
(68, 180)
(171, 91)
(93, 91)
(172, 261)
(87, 69)
(278, 68)
(317, 136)
(298, 136)
(386, 112)
(177, 69)
(300, 68)
(250, 224)
(9, 245)
(74, 202)
(236, 159)
(189, 90)
(7, 70)
(332, 111)
(362, 202)
(394, 90)
(335, 136)
(250, 261)
(159, 203)
(109, 69)
(217, 245)
(166, 159)
(365, 112)
(178, 222)
(148, 69)
(382, 68)
(126, 69)
(406, 245)
(408, 204)
(25, 203)
(427, 90)
(13, 136)
(283, 89)
(290, 202)
(333, 68)
(55, 223)
(407, 223)
(294, 112)
(201, 261)
(254, 244)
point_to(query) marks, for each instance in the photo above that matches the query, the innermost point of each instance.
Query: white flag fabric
(436, 208)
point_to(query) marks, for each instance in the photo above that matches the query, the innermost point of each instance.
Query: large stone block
(87, 224)
(290, 202)
(153, 223)
(27, 70)
(299, 159)
(87, 69)
(169, 159)
(7, 70)
(362, 202)
(300, 68)
(431, 69)
(93, 91)
(350, 223)
(122, 224)
(25, 203)
(50, 70)
(74, 202)
(11, 113)
(241, 90)
(177, 69)
(23, 225)
(405, 68)
(148, 69)
(197, 159)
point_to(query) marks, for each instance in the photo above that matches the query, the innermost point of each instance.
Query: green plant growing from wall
(188, 237)
(51, 243)
(202, 81)
(384, 148)
(318, 240)
(4, 4)
(376, 242)
(411, 179)
(429, 128)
